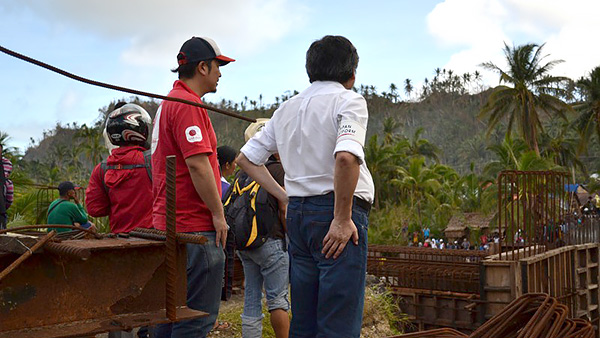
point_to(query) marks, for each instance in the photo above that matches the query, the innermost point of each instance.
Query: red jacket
(128, 202)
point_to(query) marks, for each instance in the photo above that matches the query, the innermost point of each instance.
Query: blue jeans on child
(205, 267)
(327, 294)
(268, 266)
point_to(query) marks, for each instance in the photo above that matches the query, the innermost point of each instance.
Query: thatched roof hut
(459, 225)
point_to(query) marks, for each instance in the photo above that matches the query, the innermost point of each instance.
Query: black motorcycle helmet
(129, 125)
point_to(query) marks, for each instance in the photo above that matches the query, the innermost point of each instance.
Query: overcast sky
(134, 43)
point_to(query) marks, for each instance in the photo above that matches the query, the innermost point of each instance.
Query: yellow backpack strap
(250, 186)
(254, 230)
(236, 190)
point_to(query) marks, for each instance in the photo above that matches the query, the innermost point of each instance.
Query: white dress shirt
(307, 131)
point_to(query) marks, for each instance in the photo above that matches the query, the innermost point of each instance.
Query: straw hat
(254, 128)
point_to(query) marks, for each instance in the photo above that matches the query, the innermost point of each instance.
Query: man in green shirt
(63, 211)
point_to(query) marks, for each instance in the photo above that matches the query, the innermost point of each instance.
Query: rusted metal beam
(123, 278)
(88, 328)
(26, 254)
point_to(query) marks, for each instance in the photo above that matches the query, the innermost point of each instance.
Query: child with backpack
(259, 235)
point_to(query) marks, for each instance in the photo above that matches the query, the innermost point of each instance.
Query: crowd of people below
(423, 239)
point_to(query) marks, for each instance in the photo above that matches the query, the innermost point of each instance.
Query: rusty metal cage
(423, 268)
(533, 212)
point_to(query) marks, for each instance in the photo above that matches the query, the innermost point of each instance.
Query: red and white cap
(201, 49)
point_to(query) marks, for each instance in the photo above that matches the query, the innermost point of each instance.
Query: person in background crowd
(466, 245)
(6, 188)
(226, 156)
(426, 232)
(63, 211)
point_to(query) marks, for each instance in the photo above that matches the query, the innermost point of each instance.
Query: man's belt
(361, 203)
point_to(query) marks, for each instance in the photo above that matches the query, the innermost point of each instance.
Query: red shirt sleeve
(191, 131)
(96, 198)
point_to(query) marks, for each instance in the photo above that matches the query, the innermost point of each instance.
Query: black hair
(120, 104)
(187, 71)
(333, 58)
(226, 154)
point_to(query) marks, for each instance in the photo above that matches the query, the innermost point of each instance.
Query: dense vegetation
(433, 151)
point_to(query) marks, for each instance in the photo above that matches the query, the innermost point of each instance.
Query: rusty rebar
(534, 316)
(171, 245)
(437, 333)
(500, 228)
(67, 250)
(150, 236)
(533, 203)
(27, 254)
(162, 235)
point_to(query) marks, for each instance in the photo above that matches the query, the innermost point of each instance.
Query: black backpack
(251, 215)
(147, 165)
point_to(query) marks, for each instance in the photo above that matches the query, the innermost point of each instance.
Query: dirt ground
(375, 325)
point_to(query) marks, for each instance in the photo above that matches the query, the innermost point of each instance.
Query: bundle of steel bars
(533, 315)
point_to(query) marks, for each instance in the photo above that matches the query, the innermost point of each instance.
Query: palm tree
(557, 145)
(390, 129)
(514, 154)
(93, 149)
(6, 150)
(418, 184)
(379, 157)
(394, 92)
(528, 95)
(588, 122)
(422, 147)
(408, 88)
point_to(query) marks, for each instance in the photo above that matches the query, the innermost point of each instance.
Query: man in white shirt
(319, 135)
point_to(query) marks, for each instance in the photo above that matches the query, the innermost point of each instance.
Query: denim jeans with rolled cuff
(205, 266)
(327, 294)
(268, 266)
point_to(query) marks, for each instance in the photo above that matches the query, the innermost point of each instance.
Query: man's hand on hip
(340, 232)
(221, 228)
(282, 206)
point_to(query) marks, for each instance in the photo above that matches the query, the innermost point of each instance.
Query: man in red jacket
(121, 187)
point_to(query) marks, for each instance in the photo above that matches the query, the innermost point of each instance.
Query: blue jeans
(327, 294)
(205, 264)
(266, 265)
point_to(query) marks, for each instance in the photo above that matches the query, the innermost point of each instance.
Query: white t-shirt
(307, 131)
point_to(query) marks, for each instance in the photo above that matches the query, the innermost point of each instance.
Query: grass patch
(381, 316)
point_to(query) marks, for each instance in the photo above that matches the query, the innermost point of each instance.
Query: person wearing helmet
(121, 186)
